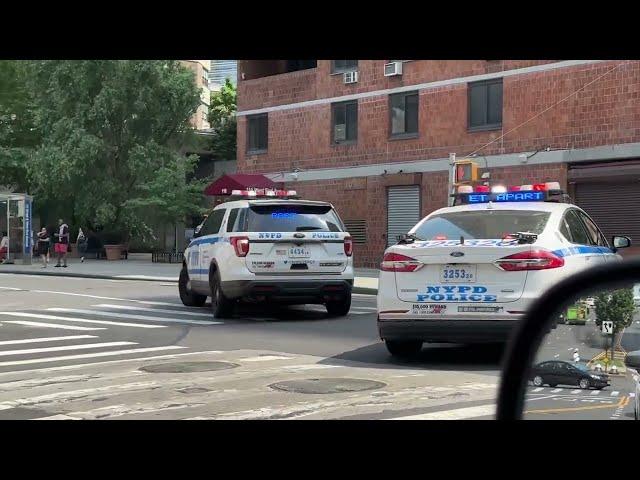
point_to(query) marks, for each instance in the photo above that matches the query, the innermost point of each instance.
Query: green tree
(18, 136)
(615, 306)
(111, 132)
(222, 109)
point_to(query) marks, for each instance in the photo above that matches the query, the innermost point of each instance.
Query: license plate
(299, 252)
(477, 309)
(428, 309)
(458, 273)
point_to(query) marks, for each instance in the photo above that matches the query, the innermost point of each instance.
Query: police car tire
(188, 297)
(404, 348)
(221, 306)
(339, 308)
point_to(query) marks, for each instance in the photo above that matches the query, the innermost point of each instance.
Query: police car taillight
(348, 246)
(395, 262)
(240, 245)
(532, 260)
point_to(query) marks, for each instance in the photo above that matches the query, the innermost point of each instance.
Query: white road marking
(28, 323)
(102, 313)
(615, 393)
(264, 358)
(46, 339)
(595, 392)
(58, 417)
(147, 302)
(576, 391)
(556, 390)
(158, 310)
(81, 320)
(455, 414)
(111, 362)
(83, 346)
(632, 394)
(10, 288)
(538, 389)
(88, 355)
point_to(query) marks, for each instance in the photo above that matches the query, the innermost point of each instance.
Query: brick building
(378, 147)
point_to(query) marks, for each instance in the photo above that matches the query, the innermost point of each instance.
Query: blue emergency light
(283, 214)
(525, 193)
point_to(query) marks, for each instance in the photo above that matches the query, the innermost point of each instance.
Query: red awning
(238, 181)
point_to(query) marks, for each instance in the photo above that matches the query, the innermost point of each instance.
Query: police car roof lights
(264, 193)
(537, 192)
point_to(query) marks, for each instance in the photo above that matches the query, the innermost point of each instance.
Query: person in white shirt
(4, 247)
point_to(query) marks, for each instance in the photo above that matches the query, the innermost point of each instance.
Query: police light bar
(537, 192)
(263, 193)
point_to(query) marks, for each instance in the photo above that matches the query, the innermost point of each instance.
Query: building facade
(220, 71)
(378, 146)
(200, 68)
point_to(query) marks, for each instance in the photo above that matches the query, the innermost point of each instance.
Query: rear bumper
(288, 291)
(447, 331)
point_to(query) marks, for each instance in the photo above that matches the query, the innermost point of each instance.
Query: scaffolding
(16, 215)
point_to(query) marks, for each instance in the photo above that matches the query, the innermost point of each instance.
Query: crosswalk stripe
(576, 391)
(538, 389)
(157, 310)
(595, 392)
(632, 394)
(455, 414)
(556, 390)
(28, 323)
(45, 339)
(81, 320)
(102, 313)
(60, 348)
(89, 355)
(615, 393)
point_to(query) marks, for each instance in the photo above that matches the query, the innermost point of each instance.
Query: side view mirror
(620, 241)
(579, 370)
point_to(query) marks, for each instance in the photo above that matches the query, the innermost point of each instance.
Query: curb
(360, 290)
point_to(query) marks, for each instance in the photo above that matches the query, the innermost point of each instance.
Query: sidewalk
(140, 267)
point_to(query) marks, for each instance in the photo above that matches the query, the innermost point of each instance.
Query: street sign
(607, 327)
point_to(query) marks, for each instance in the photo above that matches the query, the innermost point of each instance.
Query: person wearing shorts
(62, 243)
(43, 246)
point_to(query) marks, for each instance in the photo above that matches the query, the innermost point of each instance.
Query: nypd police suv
(468, 273)
(269, 246)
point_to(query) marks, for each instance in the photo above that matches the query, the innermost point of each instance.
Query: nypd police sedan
(468, 273)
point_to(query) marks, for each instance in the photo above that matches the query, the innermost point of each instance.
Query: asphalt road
(103, 349)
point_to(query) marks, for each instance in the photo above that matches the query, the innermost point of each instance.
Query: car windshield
(293, 218)
(481, 224)
(582, 367)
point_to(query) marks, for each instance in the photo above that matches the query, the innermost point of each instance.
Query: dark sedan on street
(557, 372)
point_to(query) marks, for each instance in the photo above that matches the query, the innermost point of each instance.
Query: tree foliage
(222, 109)
(111, 136)
(616, 306)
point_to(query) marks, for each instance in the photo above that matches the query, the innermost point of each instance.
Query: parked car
(558, 372)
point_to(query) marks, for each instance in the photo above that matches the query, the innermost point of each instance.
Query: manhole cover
(188, 367)
(327, 385)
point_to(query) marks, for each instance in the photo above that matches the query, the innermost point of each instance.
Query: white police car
(268, 246)
(468, 273)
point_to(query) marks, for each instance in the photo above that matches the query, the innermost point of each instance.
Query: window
(344, 122)
(495, 224)
(293, 218)
(214, 221)
(231, 222)
(340, 66)
(403, 109)
(257, 133)
(592, 230)
(577, 233)
(485, 105)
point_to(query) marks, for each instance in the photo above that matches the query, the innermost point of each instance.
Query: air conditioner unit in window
(392, 69)
(340, 133)
(350, 77)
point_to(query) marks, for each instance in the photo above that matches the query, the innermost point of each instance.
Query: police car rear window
(481, 225)
(292, 218)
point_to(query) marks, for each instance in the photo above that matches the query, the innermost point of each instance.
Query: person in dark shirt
(62, 242)
(43, 246)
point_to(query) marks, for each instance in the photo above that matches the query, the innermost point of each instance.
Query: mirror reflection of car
(557, 372)
(632, 362)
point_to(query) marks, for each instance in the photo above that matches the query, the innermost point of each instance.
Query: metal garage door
(615, 207)
(403, 210)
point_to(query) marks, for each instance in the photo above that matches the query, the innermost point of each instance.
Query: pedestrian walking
(62, 243)
(576, 356)
(4, 247)
(44, 244)
(81, 243)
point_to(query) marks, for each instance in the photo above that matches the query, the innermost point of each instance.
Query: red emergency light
(264, 193)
